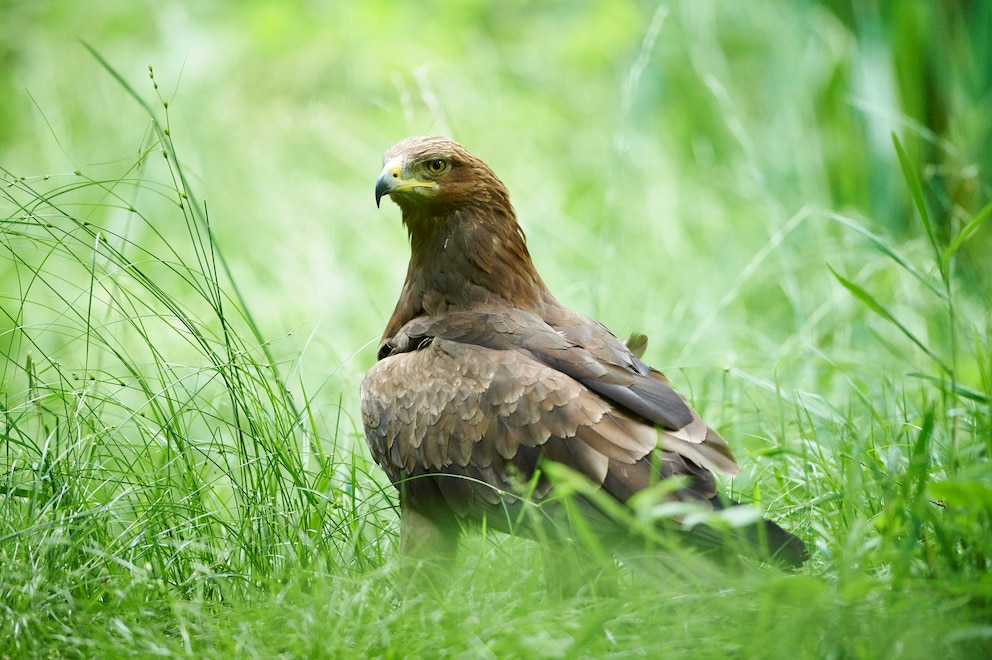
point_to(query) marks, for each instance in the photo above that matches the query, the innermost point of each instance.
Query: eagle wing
(464, 407)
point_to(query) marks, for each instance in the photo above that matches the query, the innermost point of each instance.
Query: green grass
(195, 276)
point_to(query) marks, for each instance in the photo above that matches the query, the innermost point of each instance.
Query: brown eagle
(483, 376)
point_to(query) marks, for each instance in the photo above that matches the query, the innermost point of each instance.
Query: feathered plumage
(483, 374)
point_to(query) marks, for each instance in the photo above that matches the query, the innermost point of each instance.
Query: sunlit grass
(154, 458)
(183, 472)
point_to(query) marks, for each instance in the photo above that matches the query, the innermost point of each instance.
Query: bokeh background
(693, 170)
(654, 151)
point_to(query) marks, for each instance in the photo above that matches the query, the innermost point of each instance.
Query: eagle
(485, 382)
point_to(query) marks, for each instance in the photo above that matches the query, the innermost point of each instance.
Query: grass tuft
(154, 460)
(175, 481)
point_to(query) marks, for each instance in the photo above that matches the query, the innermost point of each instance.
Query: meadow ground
(790, 199)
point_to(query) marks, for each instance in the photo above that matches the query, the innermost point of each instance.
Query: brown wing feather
(485, 416)
(648, 397)
(609, 370)
(449, 402)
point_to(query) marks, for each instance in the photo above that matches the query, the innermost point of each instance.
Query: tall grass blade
(881, 311)
(201, 215)
(916, 190)
(965, 234)
(888, 251)
(953, 386)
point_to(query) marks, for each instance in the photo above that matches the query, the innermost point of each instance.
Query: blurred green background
(692, 170)
(652, 150)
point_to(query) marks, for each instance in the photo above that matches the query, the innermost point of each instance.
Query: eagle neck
(467, 258)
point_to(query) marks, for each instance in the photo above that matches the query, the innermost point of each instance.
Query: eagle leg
(427, 546)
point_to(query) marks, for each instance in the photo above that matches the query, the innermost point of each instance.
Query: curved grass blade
(880, 310)
(965, 234)
(916, 190)
(884, 248)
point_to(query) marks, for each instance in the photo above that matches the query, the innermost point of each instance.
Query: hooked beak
(386, 182)
(391, 180)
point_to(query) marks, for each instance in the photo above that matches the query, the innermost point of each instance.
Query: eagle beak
(389, 179)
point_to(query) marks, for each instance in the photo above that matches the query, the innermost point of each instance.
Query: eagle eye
(437, 165)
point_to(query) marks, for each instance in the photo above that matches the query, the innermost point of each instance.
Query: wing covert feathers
(486, 405)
